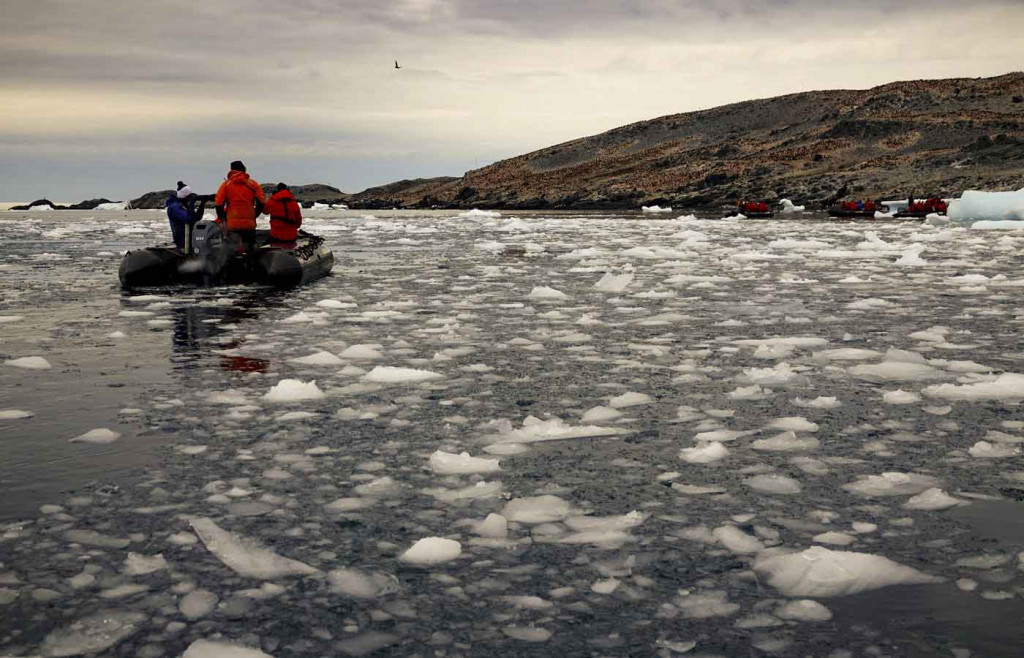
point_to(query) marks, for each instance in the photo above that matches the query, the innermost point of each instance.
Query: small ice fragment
(244, 556)
(100, 435)
(30, 363)
(293, 390)
(986, 450)
(393, 375)
(932, 499)
(320, 358)
(495, 526)
(137, 564)
(432, 550)
(900, 396)
(605, 586)
(834, 538)
(544, 292)
(14, 414)
(93, 634)
(705, 453)
(360, 584)
(600, 414)
(527, 633)
(629, 399)
(537, 509)
(208, 649)
(736, 540)
(773, 484)
(803, 610)
(197, 604)
(447, 463)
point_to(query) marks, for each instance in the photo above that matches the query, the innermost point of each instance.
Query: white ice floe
(900, 397)
(320, 358)
(630, 399)
(911, 256)
(211, 649)
(614, 282)
(100, 436)
(15, 414)
(535, 430)
(1008, 386)
(803, 610)
(477, 213)
(432, 550)
(655, 209)
(137, 564)
(395, 375)
(821, 573)
(362, 352)
(30, 363)
(737, 541)
(704, 453)
(932, 499)
(362, 584)
(294, 390)
(793, 424)
(821, 402)
(6, 319)
(536, 509)
(772, 483)
(987, 450)
(891, 484)
(544, 292)
(495, 526)
(598, 414)
(244, 555)
(447, 463)
(93, 634)
(607, 532)
(786, 442)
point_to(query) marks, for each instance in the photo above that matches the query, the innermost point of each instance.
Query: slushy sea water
(502, 434)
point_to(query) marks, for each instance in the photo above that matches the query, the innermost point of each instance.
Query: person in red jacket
(239, 202)
(285, 215)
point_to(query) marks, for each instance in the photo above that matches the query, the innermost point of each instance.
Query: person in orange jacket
(239, 202)
(285, 215)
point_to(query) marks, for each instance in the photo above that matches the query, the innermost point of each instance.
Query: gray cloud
(179, 83)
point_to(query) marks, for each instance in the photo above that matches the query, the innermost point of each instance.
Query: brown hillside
(923, 137)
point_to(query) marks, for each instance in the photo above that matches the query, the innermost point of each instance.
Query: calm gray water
(704, 407)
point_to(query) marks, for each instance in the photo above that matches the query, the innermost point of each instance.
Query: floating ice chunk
(986, 450)
(605, 586)
(137, 564)
(301, 317)
(527, 633)
(93, 634)
(975, 205)
(320, 358)
(630, 399)
(5, 319)
(606, 532)
(393, 375)
(197, 604)
(208, 649)
(614, 282)
(480, 489)
(30, 363)
(704, 453)
(754, 392)
(15, 414)
(900, 396)
(244, 555)
(891, 484)
(594, 415)
(911, 256)
(793, 424)
(984, 561)
(834, 538)
(447, 463)
(820, 402)
(360, 584)
(476, 212)
(495, 526)
(544, 292)
(774, 484)
(535, 430)
(696, 489)
(536, 509)
(432, 550)
(362, 352)
(737, 541)
(100, 435)
(846, 354)
(1008, 386)
(231, 396)
(932, 499)
(720, 435)
(787, 207)
(293, 416)
(897, 371)
(335, 304)
(781, 373)
(786, 442)
(869, 304)
(819, 572)
(350, 504)
(706, 605)
(655, 209)
(803, 610)
(293, 390)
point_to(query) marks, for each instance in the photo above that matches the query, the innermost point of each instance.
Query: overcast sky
(114, 98)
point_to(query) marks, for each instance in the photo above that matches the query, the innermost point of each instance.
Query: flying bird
(396, 64)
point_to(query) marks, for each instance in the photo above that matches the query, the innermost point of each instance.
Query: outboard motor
(210, 251)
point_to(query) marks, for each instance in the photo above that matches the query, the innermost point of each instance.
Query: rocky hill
(396, 194)
(926, 137)
(304, 194)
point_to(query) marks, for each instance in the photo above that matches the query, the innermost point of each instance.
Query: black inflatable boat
(213, 259)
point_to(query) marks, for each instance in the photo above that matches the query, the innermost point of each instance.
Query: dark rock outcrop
(151, 200)
(926, 137)
(414, 193)
(37, 203)
(91, 204)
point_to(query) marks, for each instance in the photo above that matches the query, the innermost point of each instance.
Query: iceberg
(974, 205)
(819, 572)
(788, 207)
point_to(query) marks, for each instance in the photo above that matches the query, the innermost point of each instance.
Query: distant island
(922, 138)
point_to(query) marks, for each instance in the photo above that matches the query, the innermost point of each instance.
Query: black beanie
(237, 166)
(180, 185)
(281, 187)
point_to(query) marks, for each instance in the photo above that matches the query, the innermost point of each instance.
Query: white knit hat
(184, 192)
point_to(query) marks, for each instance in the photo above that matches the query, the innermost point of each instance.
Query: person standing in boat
(180, 206)
(285, 215)
(239, 202)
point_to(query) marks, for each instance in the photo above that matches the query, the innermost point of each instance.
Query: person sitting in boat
(870, 206)
(180, 206)
(285, 215)
(239, 202)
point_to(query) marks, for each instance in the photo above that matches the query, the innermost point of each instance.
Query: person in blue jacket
(181, 212)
